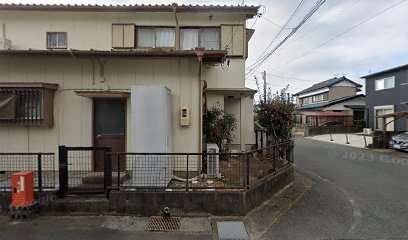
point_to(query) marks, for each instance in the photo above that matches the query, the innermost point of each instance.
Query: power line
(340, 34)
(281, 30)
(298, 79)
(266, 56)
(264, 18)
(317, 26)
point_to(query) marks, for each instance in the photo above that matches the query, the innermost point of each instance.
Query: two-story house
(332, 102)
(68, 74)
(387, 92)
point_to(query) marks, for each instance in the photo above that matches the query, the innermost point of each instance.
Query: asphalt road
(359, 194)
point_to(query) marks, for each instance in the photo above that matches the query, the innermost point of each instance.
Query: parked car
(399, 141)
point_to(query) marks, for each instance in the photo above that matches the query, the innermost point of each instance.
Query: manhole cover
(163, 224)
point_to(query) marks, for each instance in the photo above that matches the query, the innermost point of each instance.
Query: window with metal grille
(21, 104)
(25, 105)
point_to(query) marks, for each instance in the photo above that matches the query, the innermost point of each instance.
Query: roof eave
(209, 56)
(385, 71)
(248, 11)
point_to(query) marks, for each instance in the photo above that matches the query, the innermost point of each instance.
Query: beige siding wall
(92, 30)
(215, 100)
(339, 92)
(248, 121)
(232, 76)
(73, 114)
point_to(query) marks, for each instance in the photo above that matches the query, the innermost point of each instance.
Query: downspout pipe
(200, 55)
(174, 6)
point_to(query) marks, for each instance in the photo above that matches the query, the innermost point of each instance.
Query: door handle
(98, 136)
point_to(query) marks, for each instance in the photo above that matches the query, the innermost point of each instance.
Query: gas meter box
(22, 189)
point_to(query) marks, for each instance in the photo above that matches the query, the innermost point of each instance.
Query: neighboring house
(334, 101)
(387, 92)
(66, 73)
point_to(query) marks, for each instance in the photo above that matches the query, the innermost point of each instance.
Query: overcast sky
(378, 44)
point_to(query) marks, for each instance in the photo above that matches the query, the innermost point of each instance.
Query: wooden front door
(109, 129)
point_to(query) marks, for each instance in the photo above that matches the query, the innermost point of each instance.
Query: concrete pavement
(130, 227)
(355, 140)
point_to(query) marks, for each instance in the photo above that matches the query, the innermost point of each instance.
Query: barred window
(27, 105)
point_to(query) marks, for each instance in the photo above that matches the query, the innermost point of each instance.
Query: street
(359, 193)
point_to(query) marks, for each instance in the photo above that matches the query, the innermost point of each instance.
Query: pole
(39, 174)
(264, 86)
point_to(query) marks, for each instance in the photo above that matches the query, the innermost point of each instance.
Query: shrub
(276, 115)
(218, 126)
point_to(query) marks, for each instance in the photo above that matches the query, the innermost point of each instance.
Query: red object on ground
(22, 189)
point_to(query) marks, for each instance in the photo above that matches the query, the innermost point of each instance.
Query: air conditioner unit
(5, 44)
(213, 161)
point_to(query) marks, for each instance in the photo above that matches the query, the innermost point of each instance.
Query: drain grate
(163, 224)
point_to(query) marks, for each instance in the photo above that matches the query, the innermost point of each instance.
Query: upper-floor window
(306, 100)
(209, 38)
(320, 97)
(385, 83)
(148, 37)
(123, 35)
(57, 40)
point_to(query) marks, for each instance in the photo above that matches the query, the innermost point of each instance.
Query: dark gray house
(387, 92)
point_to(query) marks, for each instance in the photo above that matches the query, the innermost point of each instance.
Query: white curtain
(210, 38)
(189, 38)
(165, 37)
(145, 37)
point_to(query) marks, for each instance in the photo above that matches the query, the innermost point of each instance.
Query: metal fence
(41, 164)
(195, 171)
(84, 169)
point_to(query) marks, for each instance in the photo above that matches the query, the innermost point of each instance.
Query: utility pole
(264, 85)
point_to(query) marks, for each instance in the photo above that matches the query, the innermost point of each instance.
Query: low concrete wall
(44, 198)
(201, 203)
(192, 203)
(310, 130)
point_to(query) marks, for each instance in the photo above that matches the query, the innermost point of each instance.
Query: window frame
(42, 116)
(123, 35)
(324, 97)
(383, 83)
(57, 47)
(155, 36)
(199, 36)
(383, 107)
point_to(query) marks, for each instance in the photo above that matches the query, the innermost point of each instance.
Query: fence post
(187, 174)
(256, 137)
(39, 173)
(118, 157)
(63, 171)
(274, 157)
(107, 170)
(247, 170)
